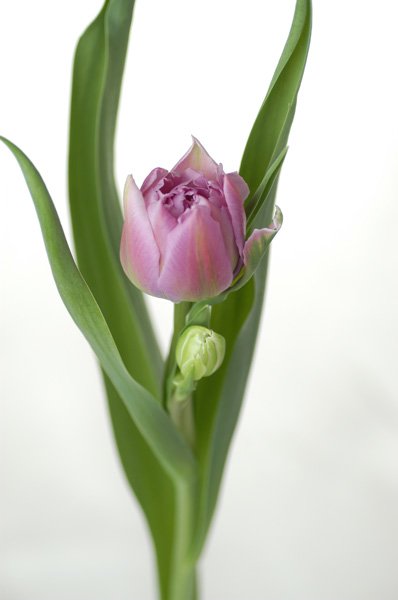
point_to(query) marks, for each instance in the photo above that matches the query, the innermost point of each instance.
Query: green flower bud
(199, 351)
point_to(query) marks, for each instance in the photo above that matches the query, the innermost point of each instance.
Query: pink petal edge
(197, 158)
(153, 178)
(261, 235)
(236, 191)
(139, 253)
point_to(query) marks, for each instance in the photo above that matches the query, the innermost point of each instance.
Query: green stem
(180, 312)
(182, 581)
(184, 586)
(181, 413)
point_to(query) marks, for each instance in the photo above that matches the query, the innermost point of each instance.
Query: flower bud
(184, 231)
(199, 351)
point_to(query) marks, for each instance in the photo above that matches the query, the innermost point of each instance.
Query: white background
(308, 509)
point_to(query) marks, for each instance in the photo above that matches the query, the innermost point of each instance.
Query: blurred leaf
(96, 214)
(218, 399)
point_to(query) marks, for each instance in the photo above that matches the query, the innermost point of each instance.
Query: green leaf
(255, 207)
(218, 399)
(97, 224)
(149, 417)
(256, 248)
(271, 128)
(96, 214)
(157, 461)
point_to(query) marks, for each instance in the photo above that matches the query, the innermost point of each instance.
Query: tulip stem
(181, 413)
(186, 586)
(180, 312)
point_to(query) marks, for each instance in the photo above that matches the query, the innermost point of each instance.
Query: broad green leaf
(95, 208)
(97, 223)
(165, 505)
(168, 499)
(218, 399)
(149, 417)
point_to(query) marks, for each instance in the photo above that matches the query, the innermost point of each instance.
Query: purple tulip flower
(184, 231)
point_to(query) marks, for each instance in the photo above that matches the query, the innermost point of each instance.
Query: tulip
(199, 353)
(199, 350)
(184, 231)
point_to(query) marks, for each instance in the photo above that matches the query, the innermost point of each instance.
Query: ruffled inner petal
(197, 158)
(153, 178)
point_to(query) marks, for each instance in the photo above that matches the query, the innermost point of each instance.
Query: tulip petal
(197, 158)
(222, 216)
(196, 265)
(139, 253)
(153, 178)
(256, 247)
(236, 191)
(162, 222)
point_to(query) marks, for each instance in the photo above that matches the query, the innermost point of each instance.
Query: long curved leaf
(271, 129)
(151, 420)
(218, 399)
(168, 499)
(95, 208)
(262, 195)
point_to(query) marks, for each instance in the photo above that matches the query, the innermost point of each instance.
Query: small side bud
(199, 352)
